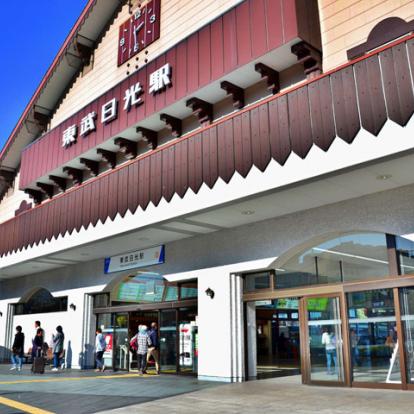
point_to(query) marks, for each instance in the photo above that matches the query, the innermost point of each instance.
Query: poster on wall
(136, 259)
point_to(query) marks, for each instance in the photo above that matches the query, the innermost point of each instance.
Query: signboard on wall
(136, 259)
(139, 31)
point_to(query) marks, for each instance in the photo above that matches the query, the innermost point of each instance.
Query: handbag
(134, 343)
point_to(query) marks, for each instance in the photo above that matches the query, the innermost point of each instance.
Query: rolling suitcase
(38, 366)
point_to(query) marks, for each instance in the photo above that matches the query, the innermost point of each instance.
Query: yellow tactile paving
(22, 407)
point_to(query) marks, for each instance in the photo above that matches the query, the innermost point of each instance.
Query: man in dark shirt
(18, 349)
(154, 349)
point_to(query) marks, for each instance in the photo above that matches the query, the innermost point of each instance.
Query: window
(42, 301)
(405, 252)
(101, 300)
(347, 258)
(256, 281)
(188, 290)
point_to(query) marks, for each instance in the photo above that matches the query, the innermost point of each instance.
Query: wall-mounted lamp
(210, 292)
(72, 306)
(1, 314)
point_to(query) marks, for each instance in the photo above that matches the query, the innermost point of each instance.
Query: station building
(239, 172)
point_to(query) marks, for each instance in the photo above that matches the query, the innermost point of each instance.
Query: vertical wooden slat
(321, 110)
(299, 122)
(217, 48)
(156, 178)
(181, 62)
(397, 84)
(180, 168)
(144, 177)
(204, 57)
(258, 27)
(264, 137)
(122, 190)
(195, 171)
(244, 48)
(170, 92)
(238, 144)
(103, 198)
(192, 71)
(274, 23)
(230, 40)
(290, 27)
(280, 146)
(345, 104)
(255, 137)
(370, 94)
(247, 152)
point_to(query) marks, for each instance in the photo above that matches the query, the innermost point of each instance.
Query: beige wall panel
(179, 18)
(347, 23)
(11, 201)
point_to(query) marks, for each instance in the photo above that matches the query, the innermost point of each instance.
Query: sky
(31, 33)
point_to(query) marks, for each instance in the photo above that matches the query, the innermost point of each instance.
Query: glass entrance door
(121, 342)
(168, 340)
(322, 326)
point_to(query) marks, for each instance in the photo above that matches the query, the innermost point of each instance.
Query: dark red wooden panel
(370, 94)
(195, 167)
(113, 194)
(265, 156)
(323, 126)
(274, 23)
(170, 92)
(193, 62)
(279, 129)
(133, 183)
(156, 178)
(244, 48)
(247, 152)
(258, 27)
(290, 27)
(225, 146)
(299, 121)
(397, 84)
(345, 104)
(181, 168)
(122, 190)
(43, 224)
(238, 146)
(160, 97)
(255, 136)
(181, 68)
(230, 40)
(143, 188)
(217, 49)
(168, 173)
(103, 198)
(204, 56)
(149, 97)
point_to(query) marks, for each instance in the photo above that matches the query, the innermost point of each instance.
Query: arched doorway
(348, 300)
(143, 298)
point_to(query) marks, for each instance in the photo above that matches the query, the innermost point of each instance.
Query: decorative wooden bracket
(74, 174)
(84, 47)
(175, 125)
(107, 156)
(201, 109)
(127, 147)
(236, 93)
(35, 195)
(60, 182)
(150, 136)
(48, 189)
(91, 165)
(310, 58)
(24, 206)
(270, 75)
(7, 176)
(42, 116)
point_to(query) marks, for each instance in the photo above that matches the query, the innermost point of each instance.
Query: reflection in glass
(104, 321)
(121, 341)
(405, 251)
(188, 331)
(277, 337)
(168, 340)
(407, 317)
(373, 336)
(256, 281)
(347, 258)
(325, 339)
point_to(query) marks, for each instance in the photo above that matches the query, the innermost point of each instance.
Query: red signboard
(139, 31)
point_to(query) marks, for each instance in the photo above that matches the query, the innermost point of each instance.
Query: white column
(251, 339)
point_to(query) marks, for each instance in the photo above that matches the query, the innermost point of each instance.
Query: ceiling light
(384, 177)
(247, 212)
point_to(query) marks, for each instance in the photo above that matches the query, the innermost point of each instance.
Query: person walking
(100, 346)
(57, 340)
(37, 349)
(143, 342)
(18, 349)
(153, 349)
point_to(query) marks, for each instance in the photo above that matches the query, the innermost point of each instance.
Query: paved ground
(280, 395)
(75, 392)
(87, 392)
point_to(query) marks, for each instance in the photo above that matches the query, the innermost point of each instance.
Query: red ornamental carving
(139, 31)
